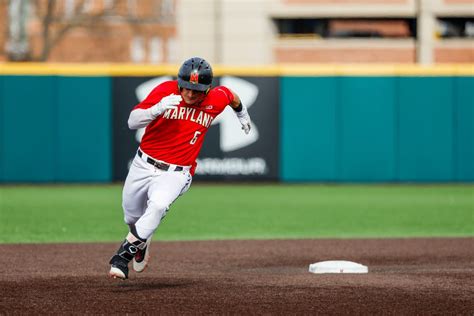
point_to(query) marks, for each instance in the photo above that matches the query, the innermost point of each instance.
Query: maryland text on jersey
(189, 114)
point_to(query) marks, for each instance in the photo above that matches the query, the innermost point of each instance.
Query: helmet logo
(194, 77)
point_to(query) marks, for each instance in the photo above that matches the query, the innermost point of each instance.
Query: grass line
(84, 213)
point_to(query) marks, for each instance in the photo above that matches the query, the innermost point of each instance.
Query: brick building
(99, 30)
(250, 32)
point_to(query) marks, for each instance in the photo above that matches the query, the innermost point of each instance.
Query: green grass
(72, 213)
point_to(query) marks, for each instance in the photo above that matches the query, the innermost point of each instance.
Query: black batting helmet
(195, 74)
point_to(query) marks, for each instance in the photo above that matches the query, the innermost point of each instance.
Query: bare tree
(58, 17)
(17, 46)
(54, 25)
(64, 23)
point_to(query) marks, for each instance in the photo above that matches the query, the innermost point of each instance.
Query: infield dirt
(406, 276)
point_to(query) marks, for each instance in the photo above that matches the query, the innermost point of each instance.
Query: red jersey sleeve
(223, 94)
(159, 92)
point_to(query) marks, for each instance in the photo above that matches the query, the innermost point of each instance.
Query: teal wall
(309, 129)
(55, 128)
(464, 128)
(425, 142)
(28, 129)
(366, 146)
(332, 128)
(379, 129)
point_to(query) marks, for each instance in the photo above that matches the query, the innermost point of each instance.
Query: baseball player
(177, 115)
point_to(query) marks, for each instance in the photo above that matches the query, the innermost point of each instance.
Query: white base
(337, 266)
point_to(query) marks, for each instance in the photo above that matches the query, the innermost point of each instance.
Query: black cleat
(118, 268)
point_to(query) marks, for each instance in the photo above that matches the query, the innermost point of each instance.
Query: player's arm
(241, 112)
(148, 110)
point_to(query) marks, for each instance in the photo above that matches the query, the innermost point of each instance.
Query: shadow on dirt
(149, 285)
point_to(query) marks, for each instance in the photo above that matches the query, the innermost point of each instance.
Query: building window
(69, 8)
(347, 28)
(137, 50)
(458, 27)
(172, 50)
(132, 7)
(88, 6)
(167, 8)
(302, 27)
(109, 4)
(156, 50)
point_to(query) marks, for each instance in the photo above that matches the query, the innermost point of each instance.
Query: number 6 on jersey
(196, 135)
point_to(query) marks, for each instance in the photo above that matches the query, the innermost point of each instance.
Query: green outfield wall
(336, 123)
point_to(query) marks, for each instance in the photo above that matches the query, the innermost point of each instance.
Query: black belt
(158, 164)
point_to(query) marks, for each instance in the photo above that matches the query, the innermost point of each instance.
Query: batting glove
(244, 119)
(167, 103)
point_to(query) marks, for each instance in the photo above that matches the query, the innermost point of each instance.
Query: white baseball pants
(148, 193)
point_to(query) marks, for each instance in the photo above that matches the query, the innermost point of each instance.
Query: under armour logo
(230, 138)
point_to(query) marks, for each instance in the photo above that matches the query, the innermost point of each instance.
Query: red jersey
(177, 135)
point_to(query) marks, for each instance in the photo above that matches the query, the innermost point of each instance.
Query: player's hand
(167, 103)
(244, 120)
(245, 125)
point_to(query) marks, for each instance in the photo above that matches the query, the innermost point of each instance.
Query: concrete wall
(243, 32)
(226, 31)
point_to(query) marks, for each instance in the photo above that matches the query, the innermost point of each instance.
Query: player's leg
(135, 190)
(142, 257)
(163, 191)
(134, 197)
